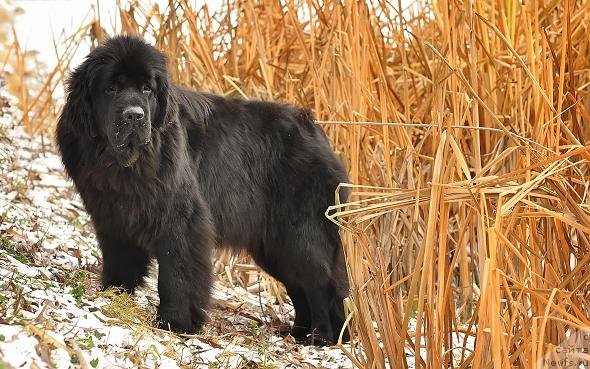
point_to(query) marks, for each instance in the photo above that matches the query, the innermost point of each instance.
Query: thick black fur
(182, 171)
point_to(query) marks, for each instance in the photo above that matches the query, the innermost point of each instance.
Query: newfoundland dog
(167, 173)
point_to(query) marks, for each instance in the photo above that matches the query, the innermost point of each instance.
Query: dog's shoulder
(194, 107)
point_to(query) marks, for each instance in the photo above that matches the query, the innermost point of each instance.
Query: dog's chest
(131, 209)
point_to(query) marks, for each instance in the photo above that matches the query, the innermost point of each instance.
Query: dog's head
(120, 94)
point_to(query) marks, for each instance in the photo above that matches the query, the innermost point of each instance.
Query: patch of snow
(18, 349)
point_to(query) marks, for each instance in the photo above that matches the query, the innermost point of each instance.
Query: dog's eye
(111, 90)
(147, 89)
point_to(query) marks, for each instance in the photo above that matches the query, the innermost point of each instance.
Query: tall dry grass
(464, 127)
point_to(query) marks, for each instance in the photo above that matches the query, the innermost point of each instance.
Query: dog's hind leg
(302, 322)
(320, 299)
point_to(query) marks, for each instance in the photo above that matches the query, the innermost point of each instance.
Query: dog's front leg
(184, 279)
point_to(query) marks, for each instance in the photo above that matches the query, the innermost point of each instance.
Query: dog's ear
(167, 109)
(76, 128)
(76, 115)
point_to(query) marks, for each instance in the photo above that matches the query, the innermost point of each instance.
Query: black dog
(166, 173)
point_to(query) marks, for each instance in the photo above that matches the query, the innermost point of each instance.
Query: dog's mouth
(126, 154)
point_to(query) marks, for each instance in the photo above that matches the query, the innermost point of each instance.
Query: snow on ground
(52, 314)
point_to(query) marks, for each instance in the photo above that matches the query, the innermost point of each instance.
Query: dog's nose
(133, 114)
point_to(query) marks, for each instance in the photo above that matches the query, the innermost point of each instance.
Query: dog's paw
(198, 317)
(301, 334)
(176, 320)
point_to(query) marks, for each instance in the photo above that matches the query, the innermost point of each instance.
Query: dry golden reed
(464, 127)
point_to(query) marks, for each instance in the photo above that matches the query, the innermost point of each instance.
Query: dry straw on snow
(464, 124)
